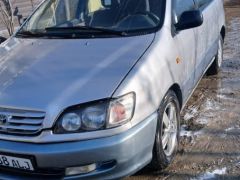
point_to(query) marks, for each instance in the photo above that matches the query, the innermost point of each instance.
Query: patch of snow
(202, 121)
(232, 128)
(238, 164)
(185, 133)
(191, 114)
(220, 171)
(188, 116)
(209, 105)
(212, 175)
(221, 96)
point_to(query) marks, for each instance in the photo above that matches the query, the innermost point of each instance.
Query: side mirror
(2, 39)
(189, 19)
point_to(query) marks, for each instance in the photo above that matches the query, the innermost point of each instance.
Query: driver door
(185, 42)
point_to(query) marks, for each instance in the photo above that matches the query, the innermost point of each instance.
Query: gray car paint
(158, 71)
(51, 75)
(130, 149)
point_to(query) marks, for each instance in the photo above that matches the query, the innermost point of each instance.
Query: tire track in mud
(210, 135)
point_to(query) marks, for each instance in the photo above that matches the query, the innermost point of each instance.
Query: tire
(163, 150)
(217, 63)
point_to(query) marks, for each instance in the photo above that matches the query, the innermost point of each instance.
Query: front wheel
(217, 63)
(167, 134)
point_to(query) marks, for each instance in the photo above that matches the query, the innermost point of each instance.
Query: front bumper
(125, 154)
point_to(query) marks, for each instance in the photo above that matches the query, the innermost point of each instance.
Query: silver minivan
(93, 89)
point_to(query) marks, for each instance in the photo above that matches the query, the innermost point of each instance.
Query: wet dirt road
(210, 136)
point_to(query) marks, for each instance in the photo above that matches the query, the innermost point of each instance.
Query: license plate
(15, 162)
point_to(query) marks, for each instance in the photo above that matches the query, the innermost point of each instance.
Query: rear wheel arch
(223, 32)
(217, 63)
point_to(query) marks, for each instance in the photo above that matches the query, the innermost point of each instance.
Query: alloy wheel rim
(169, 129)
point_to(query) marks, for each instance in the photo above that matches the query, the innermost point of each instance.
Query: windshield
(94, 17)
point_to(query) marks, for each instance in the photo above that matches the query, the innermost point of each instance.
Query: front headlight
(97, 116)
(94, 118)
(71, 122)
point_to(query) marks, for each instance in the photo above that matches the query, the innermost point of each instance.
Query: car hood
(52, 74)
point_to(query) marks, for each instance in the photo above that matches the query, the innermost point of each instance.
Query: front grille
(24, 122)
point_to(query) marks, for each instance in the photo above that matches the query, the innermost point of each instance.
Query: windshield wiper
(85, 28)
(30, 34)
(42, 34)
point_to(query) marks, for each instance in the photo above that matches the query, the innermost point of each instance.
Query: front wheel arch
(161, 159)
(177, 90)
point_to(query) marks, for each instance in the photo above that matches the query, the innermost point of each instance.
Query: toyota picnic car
(93, 89)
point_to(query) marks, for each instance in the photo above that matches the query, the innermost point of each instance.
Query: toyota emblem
(3, 119)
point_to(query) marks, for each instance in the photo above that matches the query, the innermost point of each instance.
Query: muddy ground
(210, 136)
